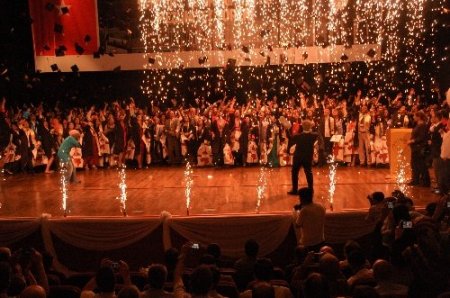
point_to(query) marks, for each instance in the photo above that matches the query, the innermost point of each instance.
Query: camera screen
(195, 246)
(407, 225)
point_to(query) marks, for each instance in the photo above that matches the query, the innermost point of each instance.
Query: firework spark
(188, 181)
(332, 183)
(123, 190)
(63, 187)
(261, 187)
(401, 172)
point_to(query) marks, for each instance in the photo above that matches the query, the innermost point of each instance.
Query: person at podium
(419, 146)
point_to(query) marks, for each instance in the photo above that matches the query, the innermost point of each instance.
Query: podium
(399, 150)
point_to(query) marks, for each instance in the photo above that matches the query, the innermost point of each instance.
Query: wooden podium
(399, 150)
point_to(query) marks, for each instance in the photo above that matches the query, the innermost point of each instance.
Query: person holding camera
(419, 147)
(310, 220)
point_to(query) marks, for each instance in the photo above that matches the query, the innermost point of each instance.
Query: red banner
(64, 27)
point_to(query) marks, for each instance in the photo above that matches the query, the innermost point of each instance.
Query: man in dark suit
(303, 155)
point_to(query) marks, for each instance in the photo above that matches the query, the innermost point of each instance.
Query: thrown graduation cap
(54, 67)
(151, 60)
(58, 28)
(49, 6)
(245, 49)
(231, 62)
(65, 10)
(262, 53)
(202, 60)
(117, 69)
(74, 68)
(79, 49)
(305, 55)
(344, 57)
(87, 38)
(60, 51)
(371, 53)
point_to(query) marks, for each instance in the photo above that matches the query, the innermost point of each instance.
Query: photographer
(104, 282)
(310, 219)
(28, 266)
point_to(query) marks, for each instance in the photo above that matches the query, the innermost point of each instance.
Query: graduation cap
(305, 55)
(49, 6)
(151, 60)
(60, 51)
(344, 57)
(117, 69)
(231, 62)
(58, 28)
(87, 38)
(54, 67)
(245, 49)
(202, 60)
(74, 68)
(65, 10)
(371, 53)
(262, 53)
(79, 49)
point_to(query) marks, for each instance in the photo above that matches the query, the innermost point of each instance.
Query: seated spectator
(361, 274)
(215, 250)
(245, 266)
(104, 281)
(377, 207)
(201, 278)
(157, 276)
(300, 255)
(128, 292)
(382, 272)
(215, 281)
(329, 268)
(316, 286)
(263, 290)
(5, 279)
(263, 274)
(33, 291)
(327, 250)
(349, 247)
(5, 254)
(364, 292)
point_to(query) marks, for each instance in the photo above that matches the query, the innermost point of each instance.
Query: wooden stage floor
(215, 191)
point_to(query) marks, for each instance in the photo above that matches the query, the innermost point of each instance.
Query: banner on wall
(105, 35)
(63, 28)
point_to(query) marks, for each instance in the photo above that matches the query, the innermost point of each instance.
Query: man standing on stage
(303, 155)
(364, 136)
(72, 141)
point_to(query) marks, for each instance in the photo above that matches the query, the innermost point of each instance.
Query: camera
(115, 266)
(390, 205)
(195, 246)
(407, 224)
(298, 207)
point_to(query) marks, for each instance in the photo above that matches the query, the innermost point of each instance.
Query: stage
(223, 211)
(214, 192)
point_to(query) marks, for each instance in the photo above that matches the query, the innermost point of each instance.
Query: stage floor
(215, 191)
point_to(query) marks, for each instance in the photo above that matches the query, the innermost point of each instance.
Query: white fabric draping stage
(229, 231)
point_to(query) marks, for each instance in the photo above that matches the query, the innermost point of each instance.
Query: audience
(416, 265)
